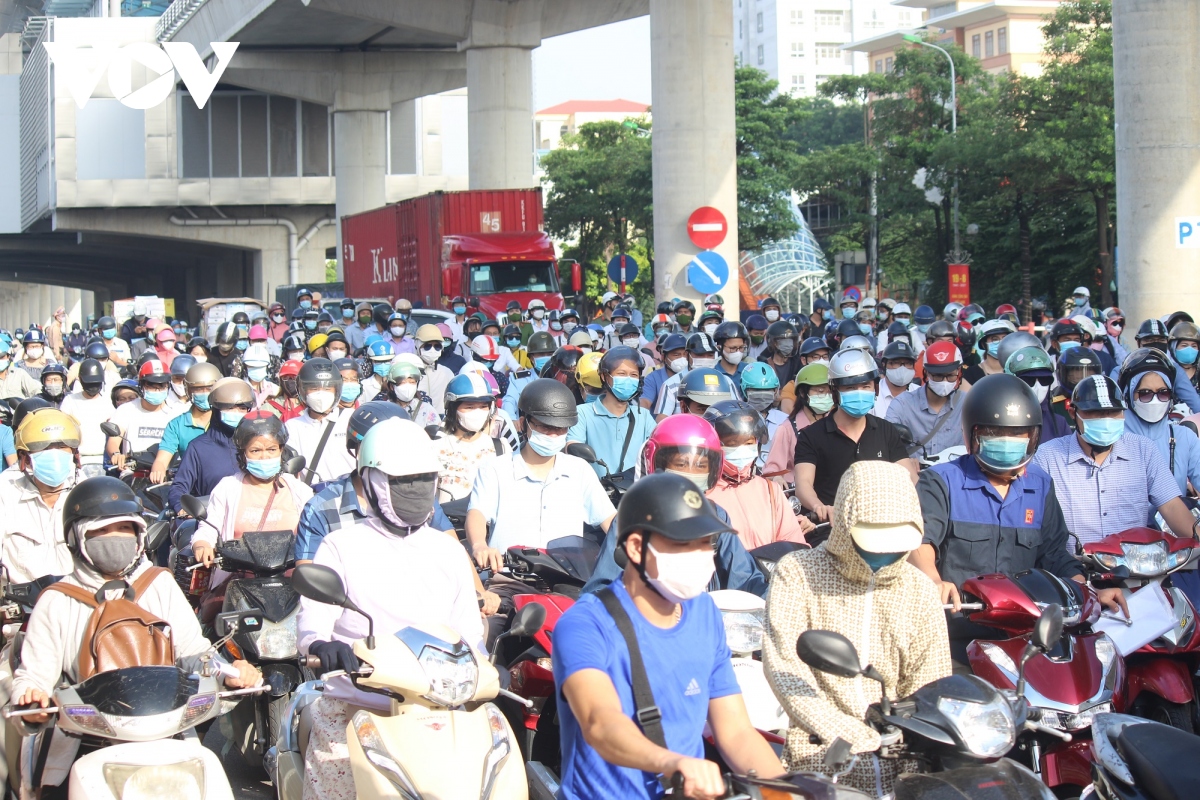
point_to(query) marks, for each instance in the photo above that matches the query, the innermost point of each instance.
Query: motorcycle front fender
(87, 780)
(1068, 763)
(1167, 677)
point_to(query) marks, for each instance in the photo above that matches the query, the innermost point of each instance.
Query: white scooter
(742, 614)
(152, 712)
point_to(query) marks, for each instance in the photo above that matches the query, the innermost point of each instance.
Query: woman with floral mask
(465, 441)
(757, 508)
(814, 400)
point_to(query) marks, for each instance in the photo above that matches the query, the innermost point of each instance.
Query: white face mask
(1040, 391)
(1151, 412)
(334, 355)
(943, 388)
(704, 363)
(397, 330)
(682, 576)
(179, 389)
(742, 455)
(710, 328)
(201, 359)
(474, 419)
(771, 315)
(677, 364)
(901, 376)
(320, 400)
(734, 358)
(430, 356)
(698, 478)
(405, 392)
(538, 313)
(630, 341)
(569, 326)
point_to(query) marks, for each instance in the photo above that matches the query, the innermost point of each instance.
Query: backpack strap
(78, 592)
(145, 579)
(498, 446)
(646, 713)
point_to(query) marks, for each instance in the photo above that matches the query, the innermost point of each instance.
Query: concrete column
(691, 72)
(72, 304)
(1158, 154)
(87, 307)
(360, 164)
(45, 305)
(58, 299)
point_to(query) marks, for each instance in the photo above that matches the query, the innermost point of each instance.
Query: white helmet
(856, 343)
(994, 326)
(256, 355)
(848, 367)
(398, 447)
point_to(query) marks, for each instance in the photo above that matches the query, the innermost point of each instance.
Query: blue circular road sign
(614, 268)
(707, 272)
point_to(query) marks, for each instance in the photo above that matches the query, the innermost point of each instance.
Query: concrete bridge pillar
(360, 163)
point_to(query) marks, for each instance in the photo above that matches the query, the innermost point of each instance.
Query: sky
(605, 63)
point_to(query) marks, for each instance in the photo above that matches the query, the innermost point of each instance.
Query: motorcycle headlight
(743, 630)
(276, 639)
(1146, 560)
(183, 780)
(452, 678)
(1108, 560)
(1179, 557)
(987, 729)
(1106, 651)
(500, 749)
(373, 747)
(1083, 719)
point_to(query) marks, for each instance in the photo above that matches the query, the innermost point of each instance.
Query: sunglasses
(432, 346)
(1146, 395)
(1031, 381)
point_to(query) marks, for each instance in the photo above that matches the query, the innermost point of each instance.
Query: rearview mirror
(194, 507)
(156, 534)
(293, 465)
(319, 583)
(110, 429)
(1049, 627)
(826, 651)
(582, 450)
(529, 620)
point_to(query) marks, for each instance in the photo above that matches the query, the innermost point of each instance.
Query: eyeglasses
(1032, 381)
(1146, 395)
(735, 349)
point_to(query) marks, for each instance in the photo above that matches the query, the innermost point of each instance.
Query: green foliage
(764, 159)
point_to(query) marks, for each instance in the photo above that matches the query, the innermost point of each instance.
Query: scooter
(440, 738)
(139, 725)
(742, 614)
(1161, 682)
(1137, 759)
(1080, 676)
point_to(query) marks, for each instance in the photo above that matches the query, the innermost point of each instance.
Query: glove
(334, 656)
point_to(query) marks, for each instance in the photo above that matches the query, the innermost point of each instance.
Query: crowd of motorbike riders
(900, 451)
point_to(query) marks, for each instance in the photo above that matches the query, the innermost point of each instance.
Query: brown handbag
(121, 633)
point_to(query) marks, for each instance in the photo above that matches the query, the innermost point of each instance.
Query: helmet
(105, 323)
(201, 374)
(181, 364)
(124, 383)
(813, 375)
(153, 371)
(714, 300)
(1176, 317)
(1028, 359)
(621, 311)
(303, 292)
(511, 331)
(942, 358)
(381, 350)
(587, 370)
(548, 402)
(363, 418)
(228, 333)
(404, 307)
(25, 406)
(1005, 402)
(730, 330)
(848, 327)
(700, 344)
(43, 427)
(1077, 363)
(781, 329)
(939, 329)
(469, 386)
(1014, 342)
(618, 355)
(673, 341)
(924, 316)
(759, 375)
(899, 349)
(317, 373)
(1066, 327)
(950, 312)
(540, 342)
(628, 329)
(856, 342)
(580, 338)
(964, 334)
(293, 342)
(101, 497)
(971, 313)
(736, 418)
(710, 316)
(91, 372)
(569, 312)
(811, 345)
(683, 435)
(256, 355)
(706, 386)
(1151, 327)
(661, 321)
(993, 327)
(230, 393)
(33, 336)
(1097, 393)
(669, 505)
(406, 365)
(485, 347)
(1142, 360)
(1185, 331)
(380, 313)
(96, 350)
(849, 367)
(1005, 308)
(259, 423)
(561, 367)
(316, 342)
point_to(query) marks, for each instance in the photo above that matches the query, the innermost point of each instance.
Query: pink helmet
(683, 435)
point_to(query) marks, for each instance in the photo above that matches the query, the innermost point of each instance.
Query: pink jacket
(757, 510)
(782, 456)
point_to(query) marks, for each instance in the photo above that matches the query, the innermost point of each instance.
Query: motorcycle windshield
(1002, 780)
(259, 550)
(138, 691)
(575, 554)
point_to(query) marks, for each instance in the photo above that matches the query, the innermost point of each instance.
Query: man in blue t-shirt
(666, 528)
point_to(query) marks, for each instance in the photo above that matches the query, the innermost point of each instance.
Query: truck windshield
(513, 276)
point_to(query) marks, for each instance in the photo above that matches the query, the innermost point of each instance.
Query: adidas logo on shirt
(692, 689)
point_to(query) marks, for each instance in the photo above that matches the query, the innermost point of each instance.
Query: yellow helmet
(317, 341)
(587, 370)
(44, 427)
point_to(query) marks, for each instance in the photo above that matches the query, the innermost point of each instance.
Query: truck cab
(499, 268)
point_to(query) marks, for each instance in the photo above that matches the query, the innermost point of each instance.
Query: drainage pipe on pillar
(308, 234)
(293, 246)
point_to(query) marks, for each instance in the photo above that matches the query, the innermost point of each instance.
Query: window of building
(760, 22)
(874, 22)
(976, 46)
(879, 65)
(797, 49)
(904, 19)
(829, 19)
(829, 51)
(989, 44)
(760, 54)
(887, 64)
(822, 78)
(797, 16)
(1002, 40)
(797, 84)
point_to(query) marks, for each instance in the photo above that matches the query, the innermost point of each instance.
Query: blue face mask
(591, 398)
(111, 333)
(513, 343)
(200, 401)
(993, 349)
(1186, 355)
(242, 344)
(263, 468)
(539, 363)
(827, 314)
(52, 467)
(350, 392)
(624, 387)
(1103, 432)
(877, 561)
(232, 418)
(1065, 346)
(1079, 301)
(306, 304)
(310, 324)
(857, 403)
(848, 312)
(347, 313)
(256, 374)
(865, 328)
(460, 309)
(156, 398)
(924, 328)
(1003, 452)
(382, 368)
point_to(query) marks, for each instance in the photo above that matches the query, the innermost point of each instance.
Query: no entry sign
(707, 227)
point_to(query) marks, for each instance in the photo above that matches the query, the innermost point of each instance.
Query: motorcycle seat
(1164, 761)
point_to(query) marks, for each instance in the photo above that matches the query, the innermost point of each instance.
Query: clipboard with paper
(1150, 616)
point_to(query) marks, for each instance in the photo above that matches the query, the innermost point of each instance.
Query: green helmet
(813, 375)
(1026, 359)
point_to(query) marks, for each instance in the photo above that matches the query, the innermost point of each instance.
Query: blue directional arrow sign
(622, 260)
(707, 272)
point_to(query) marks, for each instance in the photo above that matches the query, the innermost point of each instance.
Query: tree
(765, 160)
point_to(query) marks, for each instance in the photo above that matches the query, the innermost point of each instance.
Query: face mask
(569, 326)
(306, 304)
(179, 389)
(682, 576)
(201, 359)
(404, 502)
(1186, 355)
(733, 358)
(848, 312)
(1153, 411)
(864, 328)
(347, 313)
(585, 350)
(698, 478)
(112, 555)
(54, 390)
(319, 401)
(277, 317)
(821, 403)
(364, 320)
(901, 376)
(785, 347)
(761, 399)
(1065, 346)
(710, 328)
(824, 361)
(4, 362)
(877, 561)
(460, 310)
(1003, 452)
(1159, 346)
(155, 398)
(704, 363)
(538, 313)
(111, 333)
(684, 319)
(858, 403)
(827, 314)
(474, 419)
(334, 355)
(33, 353)
(1103, 432)
(52, 467)
(381, 368)
(771, 315)
(741, 456)
(405, 392)
(943, 388)
(256, 374)
(350, 392)
(232, 418)
(993, 349)
(1040, 392)
(546, 445)
(513, 343)
(539, 363)
(624, 387)
(1079, 301)
(397, 330)
(756, 339)
(430, 357)
(263, 468)
(677, 365)
(924, 328)
(310, 324)
(630, 341)
(200, 401)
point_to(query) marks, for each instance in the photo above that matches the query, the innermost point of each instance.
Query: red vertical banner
(960, 284)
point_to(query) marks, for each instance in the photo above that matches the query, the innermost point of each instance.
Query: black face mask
(409, 500)
(1159, 346)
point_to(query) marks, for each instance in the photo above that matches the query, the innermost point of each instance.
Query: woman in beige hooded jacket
(860, 585)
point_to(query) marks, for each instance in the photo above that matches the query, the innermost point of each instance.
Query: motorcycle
(742, 614)
(1161, 681)
(441, 736)
(1080, 676)
(137, 471)
(138, 724)
(768, 555)
(1137, 759)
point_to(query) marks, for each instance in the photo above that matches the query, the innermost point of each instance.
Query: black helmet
(105, 323)
(672, 341)
(811, 345)
(380, 312)
(240, 318)
(97, 351)
(1096, 393)
(621, 311)
(198, 341)
(1005, 401)
(1151, 327)
(24, 407)
(1175, 318)
(101, 496)
(259, 423)
(782, 329)
(1010, 344)
(365, 417)
(318, 373)
(619, 355)
(730, 330)
(325, 316)
(939, 329)
(897, 329)
(540, 342)
(561, 368)
(511, 331)
(736, 418)
(228, 333)
(628, 329)
(706, 387)
(549, 402)
(700, 344)
(1066, 327)
(293, 342)
(1144, 359)
(1076, 364)
(181, 364)
(55, 369)
(848, 327)
(669, 505)
(965, 335)
(664, 307)
(899, 348)
(91, 373)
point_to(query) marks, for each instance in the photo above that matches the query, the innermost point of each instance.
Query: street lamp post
(908, 37)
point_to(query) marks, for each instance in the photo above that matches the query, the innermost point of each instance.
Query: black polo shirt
(823, 445)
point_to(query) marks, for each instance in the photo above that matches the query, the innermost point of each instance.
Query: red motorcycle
(1081, 676)
(1161, 686)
